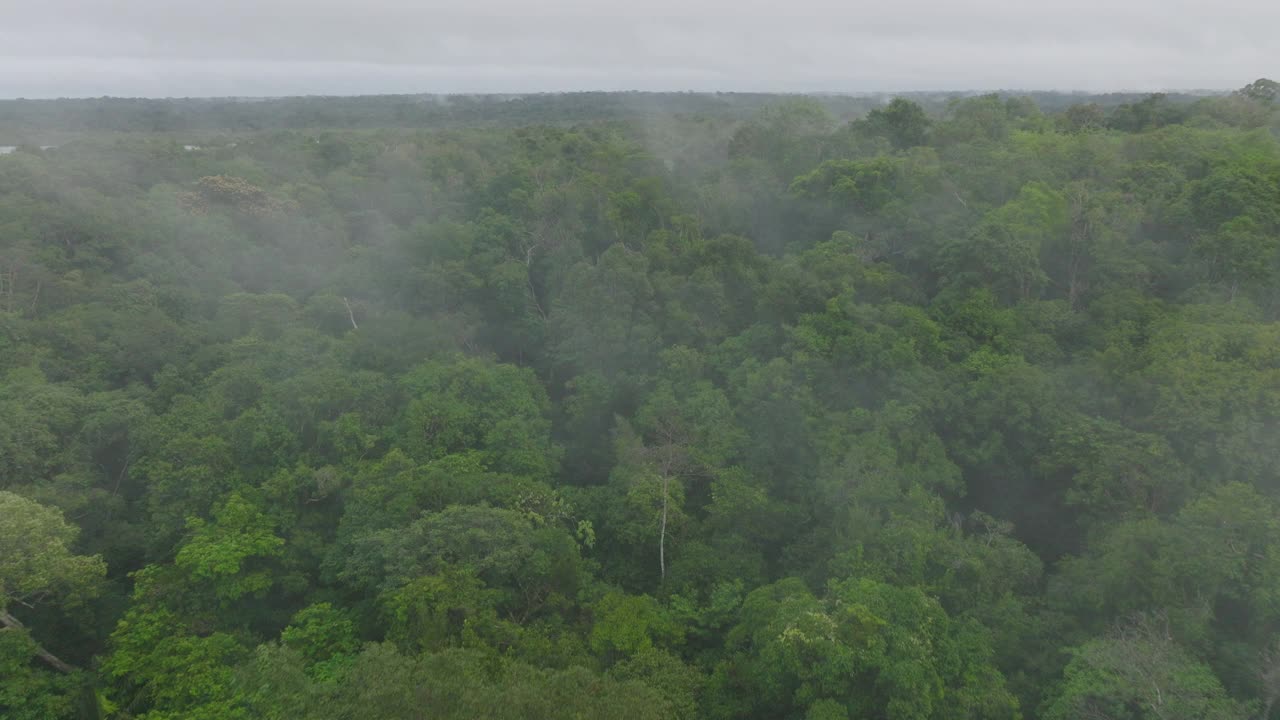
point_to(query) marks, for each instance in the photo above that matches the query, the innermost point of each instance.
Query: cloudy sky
(70, 48)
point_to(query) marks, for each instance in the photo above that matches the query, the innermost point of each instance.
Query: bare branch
(350, 314)
(49, 658)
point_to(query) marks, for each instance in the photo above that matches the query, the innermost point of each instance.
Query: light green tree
(38, 566)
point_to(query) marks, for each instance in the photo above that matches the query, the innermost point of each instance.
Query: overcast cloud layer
(79, 48)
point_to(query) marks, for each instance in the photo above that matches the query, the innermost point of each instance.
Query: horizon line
(529, 93)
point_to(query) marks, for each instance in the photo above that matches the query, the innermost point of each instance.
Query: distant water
(6, 149)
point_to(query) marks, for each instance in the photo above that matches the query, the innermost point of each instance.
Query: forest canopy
(626, 406)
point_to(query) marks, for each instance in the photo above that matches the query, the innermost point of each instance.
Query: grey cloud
(274, 47)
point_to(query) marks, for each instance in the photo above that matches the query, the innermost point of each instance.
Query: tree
(38, 566)
(687, 434)
(1003, 252)
(976, 119)
(903, 122)
(1239, 252)
(1118, 473)
(604, 320)
(30, 692)
(324, 636)
(871, 648)
(218, 552)
(1096, 244)
(788, 136)
(1209, 572)
(1139, 672)
(866, 185)
(160, 667)
(497, 409)
(532, 564)
(1085, 117)
(1153, 111)
(454, 684)
(1262, 90)
(678, 683)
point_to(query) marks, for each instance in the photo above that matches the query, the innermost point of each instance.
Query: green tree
(38, 565)
(222, 552)
(869, 647)
(1140, 672)
(472, 404)
(903, 122)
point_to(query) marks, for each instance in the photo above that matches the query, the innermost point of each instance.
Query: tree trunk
(662, 532)
(49, 658)
(350, 314)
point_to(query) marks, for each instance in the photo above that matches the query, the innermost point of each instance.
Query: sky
(181, 48)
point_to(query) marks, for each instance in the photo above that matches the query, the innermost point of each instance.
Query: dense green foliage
(943, 412)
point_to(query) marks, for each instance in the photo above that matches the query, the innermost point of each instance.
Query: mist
(676, 361)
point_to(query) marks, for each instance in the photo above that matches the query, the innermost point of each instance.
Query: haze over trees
(930, 410)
